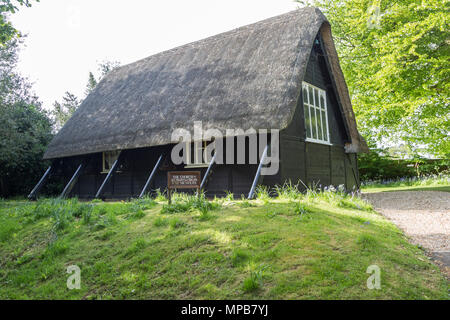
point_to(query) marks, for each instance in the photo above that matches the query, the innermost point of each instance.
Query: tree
(62, 111)
(92, 83)
(7, 31)
(25, 128)
(395, 57)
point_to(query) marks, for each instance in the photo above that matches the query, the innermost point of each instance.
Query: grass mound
(294, 246)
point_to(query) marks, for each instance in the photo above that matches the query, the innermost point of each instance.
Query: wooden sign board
(183, 180)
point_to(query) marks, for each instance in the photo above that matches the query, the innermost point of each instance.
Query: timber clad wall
(313, 162)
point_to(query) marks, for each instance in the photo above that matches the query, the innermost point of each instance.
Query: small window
(195, 154)
(316, 116)
(109, 157)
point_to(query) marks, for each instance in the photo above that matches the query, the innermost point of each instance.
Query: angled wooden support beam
(258, 173)
(208, 172)
(108, 177)
(72, 181)
(33, 194)
(151, 176)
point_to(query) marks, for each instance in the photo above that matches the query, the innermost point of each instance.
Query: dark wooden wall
(314, 162)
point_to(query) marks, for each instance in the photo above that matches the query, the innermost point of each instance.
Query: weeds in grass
(160, 222)
(262, 193)
(238, 257)
(255, 280)
(245, 203)
(367, 242)
(138, 245)
(176, 223)
(160, 196)
(190, 203)
(288, 191)
(301, 209)
(229, 196)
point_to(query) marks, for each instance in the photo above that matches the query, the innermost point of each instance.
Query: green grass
(314, 246)
(434, 183)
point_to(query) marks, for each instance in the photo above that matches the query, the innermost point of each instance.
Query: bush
(377, 166)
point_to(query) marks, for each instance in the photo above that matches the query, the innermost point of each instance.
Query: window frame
(196, 163)
(104, 170)
(318, 109)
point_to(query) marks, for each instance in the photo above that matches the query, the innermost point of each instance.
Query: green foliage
(288, 191)
(229, 196)
(245, 203)
(402, 183)
(395, 58)
(375, 165)
(176, 223)
(262, 193)
(367, 242)
(160, 196)
(176, 256)
(62, 111)
(92, 83)
(160, 222)
(7, 31)
(25, 128)
(255, 280)
(190, 203)
(239, 257)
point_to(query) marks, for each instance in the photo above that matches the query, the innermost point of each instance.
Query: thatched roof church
(250, 77)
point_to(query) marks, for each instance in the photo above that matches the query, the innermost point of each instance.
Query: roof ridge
(222, 36)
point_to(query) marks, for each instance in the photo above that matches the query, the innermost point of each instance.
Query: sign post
(183, 180)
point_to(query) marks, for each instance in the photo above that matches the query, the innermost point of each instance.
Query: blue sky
(67, 39)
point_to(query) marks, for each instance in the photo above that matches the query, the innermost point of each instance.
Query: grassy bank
(292, 247)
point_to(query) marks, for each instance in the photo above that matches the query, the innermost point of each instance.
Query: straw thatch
(246, 78)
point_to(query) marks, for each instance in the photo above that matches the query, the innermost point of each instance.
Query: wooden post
(33, 194)
(151, 176)
(108, 176)
(72, 182)
(258, 173)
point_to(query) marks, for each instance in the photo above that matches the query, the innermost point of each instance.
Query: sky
(66, 39)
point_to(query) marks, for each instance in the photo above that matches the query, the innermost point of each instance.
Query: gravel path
(423, 215)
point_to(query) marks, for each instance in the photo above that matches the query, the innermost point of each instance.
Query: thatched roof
(246, 78)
